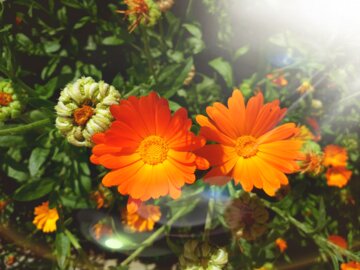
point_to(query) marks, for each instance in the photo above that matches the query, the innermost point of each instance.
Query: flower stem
(148, 242)
(209, 216)
(23, 128)
(148, 55)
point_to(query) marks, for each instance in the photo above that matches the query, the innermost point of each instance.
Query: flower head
(45, 218)
(278, 80)
(83, 110)
(247, 217)
(312, 163)
(143, 218)
(338, 176)
(165, 5)
(338, 240)
(202, 256)
(305, 87)
(102, 197)
(10, 106)
(281, 244)
(335, 155)
(350, 266)
(249, 149)
(150, 151)
(145, 12)
(101, 229)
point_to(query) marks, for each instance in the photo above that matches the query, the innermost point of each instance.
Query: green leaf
(112, 41)
(37, 159)
(34, 190)
(241, 51)
(52, 46)
(225, 70)
(81, 23)
(11, 140)
(193, 29)
(62, 244)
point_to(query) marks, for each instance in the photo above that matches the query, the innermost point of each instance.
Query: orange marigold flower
(143, 219)
(149, 150)
(338, 176)
(45, 218)
(312, 163)
(335, 155)
(281, 244)
(338, 240)
(249, 148)
(350, 266)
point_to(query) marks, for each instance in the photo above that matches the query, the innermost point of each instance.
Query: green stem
(79, 249)
(321, 241)
(24, 128)
(148, 55)
(149, 241)
(23, 85)
(208, 220)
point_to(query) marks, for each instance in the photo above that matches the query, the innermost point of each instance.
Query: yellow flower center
(5, 99)
(153, 150)
(246, 146)
(83, 114)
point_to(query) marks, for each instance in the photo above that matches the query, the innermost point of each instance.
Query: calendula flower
(165, 5)
(338, 240)
(281, 244)
(143, 218)
(145, 12)
(312, 163)
(350, 266)
(335, 155)
(45, 217)
(83, 110)
(190, 76)
(150, 151)
(10, 106)
(249, 149)
(247, 217)
(278, 80)
(338, 176)
(305, 87)
(202, 256)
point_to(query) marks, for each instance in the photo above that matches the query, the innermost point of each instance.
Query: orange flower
(278, 80)
(350, 266)
(312, 163)
(3, 205)
(101, 229)
(338, 240)
(45, 218)
(335, 155)
(143, 219)
(338, 176)
(281, 244)
(149, 150)
(249, 148)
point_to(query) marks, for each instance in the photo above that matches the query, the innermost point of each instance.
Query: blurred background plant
(193, 53)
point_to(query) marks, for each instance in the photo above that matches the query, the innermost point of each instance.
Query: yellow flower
(45, 218)
(305, 87)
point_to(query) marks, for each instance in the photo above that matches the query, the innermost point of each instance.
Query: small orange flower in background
(143, 218)
(102, 197)
(350, 266)
(338, 240)
(45, 218)
(150, 151)
(3, 205)
(278, 80)
(335, 155)
(281, 244)
(338, 176)
(101, 229)
(137, 8)
(250, 148)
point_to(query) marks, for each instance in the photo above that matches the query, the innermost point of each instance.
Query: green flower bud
(247, 217)
(84, 109)
(10, 105)
(202, 256)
